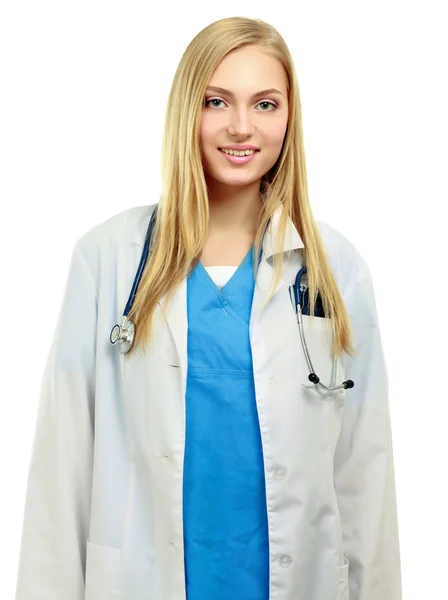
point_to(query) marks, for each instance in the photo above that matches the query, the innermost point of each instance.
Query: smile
(238, 160)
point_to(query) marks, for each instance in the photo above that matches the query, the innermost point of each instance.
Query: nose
(241, 123)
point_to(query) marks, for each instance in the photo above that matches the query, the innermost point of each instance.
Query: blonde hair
(181, 225)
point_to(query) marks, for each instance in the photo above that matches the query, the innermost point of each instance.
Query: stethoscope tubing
(331, 387)
(124, 334)
(297, 295)
(141, 266)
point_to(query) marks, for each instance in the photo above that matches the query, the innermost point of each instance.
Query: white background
(82, 102)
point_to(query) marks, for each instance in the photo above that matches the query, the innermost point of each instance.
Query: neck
(234, 209)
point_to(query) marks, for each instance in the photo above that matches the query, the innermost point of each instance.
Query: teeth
(239, 153)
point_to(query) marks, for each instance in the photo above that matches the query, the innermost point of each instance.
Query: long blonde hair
(181, 226)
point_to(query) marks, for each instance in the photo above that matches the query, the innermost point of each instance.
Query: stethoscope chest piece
(124, 335)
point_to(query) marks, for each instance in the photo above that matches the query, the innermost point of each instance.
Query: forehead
(247, 70)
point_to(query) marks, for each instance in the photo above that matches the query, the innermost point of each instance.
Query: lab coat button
(285, 560)
(271, 381)
(279, 473)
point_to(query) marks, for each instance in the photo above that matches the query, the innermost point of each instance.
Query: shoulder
(101, 244)
(346, 260)
(351, 272)
(127, 225)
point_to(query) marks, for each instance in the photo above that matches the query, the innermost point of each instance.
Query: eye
(266, 102)
(207, 102)
(212, 100)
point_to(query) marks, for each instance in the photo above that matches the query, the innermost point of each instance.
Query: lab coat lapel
(176, 311)
(266, 271)
(175, 316)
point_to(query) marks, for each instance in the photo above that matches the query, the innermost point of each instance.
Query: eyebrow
(221, 90)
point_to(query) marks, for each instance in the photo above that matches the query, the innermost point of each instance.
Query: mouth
(237, 159)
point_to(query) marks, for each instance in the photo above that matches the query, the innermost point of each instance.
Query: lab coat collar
(292, 237)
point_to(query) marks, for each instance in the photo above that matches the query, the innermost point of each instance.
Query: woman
(205, 462)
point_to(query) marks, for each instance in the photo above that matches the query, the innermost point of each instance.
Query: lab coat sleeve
(364, 471)
(57, 504)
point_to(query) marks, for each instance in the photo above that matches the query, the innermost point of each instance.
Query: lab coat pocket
(103, 565)
(325, 408)
(318, 336)
(343, 587)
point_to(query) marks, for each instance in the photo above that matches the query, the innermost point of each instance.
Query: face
(241, 115)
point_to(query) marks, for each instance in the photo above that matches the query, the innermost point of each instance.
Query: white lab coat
(103, 512)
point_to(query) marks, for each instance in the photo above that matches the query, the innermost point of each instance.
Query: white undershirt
(221, 274)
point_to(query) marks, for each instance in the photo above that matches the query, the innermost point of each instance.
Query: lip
(238, 160)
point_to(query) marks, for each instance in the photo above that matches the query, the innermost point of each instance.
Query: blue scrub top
(224, 503)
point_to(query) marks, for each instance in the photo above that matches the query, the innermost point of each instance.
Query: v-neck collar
(233, 277)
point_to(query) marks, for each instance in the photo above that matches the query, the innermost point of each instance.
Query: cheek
(207, 131)
(275, 133)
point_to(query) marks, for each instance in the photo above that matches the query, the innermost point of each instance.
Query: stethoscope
(300, 302)
(124, 334)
